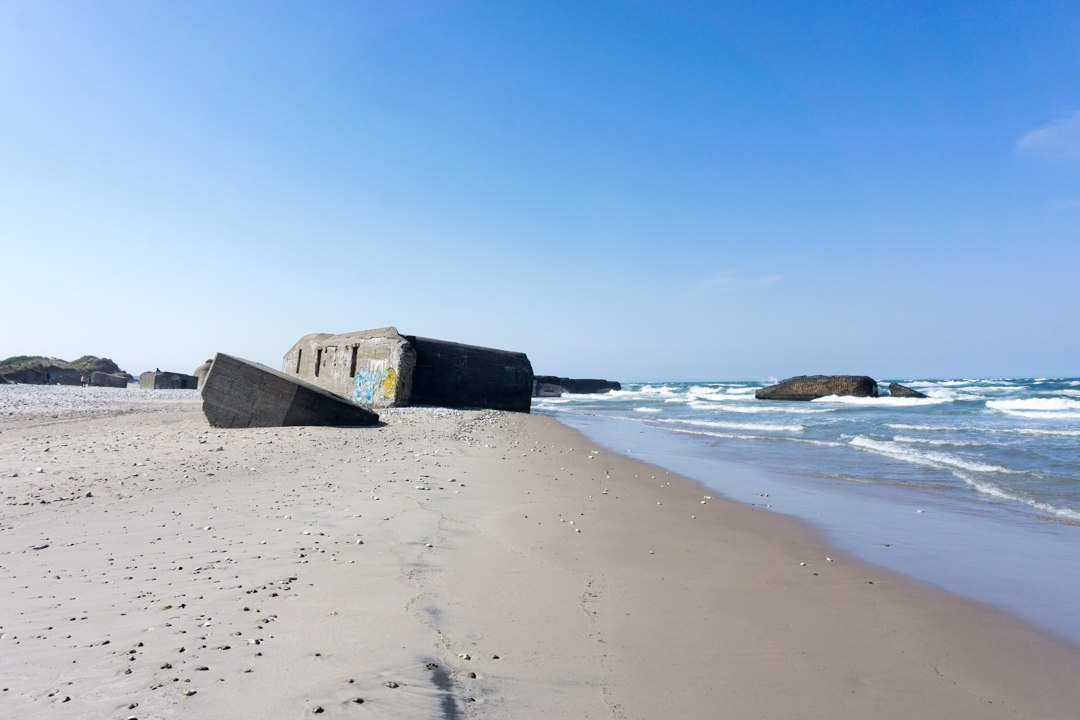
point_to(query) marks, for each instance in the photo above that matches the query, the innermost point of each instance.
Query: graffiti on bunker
(373, 382)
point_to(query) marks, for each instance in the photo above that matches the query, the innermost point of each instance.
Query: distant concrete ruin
(100, 379)
(552, 386)
(812, 387)
(167, 381)
(382, 368)
(238, 393)
(201, 371)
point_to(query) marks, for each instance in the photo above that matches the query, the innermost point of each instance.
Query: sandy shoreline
(247, 558)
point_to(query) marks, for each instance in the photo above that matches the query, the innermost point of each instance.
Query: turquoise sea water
(975, 489)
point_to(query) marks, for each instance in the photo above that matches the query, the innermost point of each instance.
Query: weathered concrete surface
(167, 381)
(382, 368)
(241, 393)
(100, 379)
(201, 371)
(898, 390)
(454, 375)
(373, 368)
(811, 387)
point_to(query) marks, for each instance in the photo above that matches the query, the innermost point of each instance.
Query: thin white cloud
(730, 281)
(1058, 140)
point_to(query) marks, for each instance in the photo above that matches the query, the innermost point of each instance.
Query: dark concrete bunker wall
(452, 375)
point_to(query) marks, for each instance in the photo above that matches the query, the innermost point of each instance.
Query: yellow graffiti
(389, 382)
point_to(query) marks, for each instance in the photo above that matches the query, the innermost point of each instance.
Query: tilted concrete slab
(240, 393)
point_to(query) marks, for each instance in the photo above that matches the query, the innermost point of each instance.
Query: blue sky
(639, 191)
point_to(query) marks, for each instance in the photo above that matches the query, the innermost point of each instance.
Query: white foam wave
(994, 491)
(1029, 404)
(932, 459)
(1058, 433)
(760, 407)
(647, 409)
(953, 428)
(737, 436)
(886, 401)
(767, 427)
(925, 441)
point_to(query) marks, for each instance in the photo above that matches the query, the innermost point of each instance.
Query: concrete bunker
(383, 368)
(159, 380)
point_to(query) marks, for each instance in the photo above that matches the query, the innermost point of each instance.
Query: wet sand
(450, 564)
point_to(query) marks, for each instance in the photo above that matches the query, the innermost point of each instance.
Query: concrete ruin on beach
(238, 393)
(159, 380)
(382, 368)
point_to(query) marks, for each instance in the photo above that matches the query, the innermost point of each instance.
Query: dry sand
(157, 567)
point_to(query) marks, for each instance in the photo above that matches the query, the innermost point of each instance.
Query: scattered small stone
(189, 693)
(202, 667)
(358, 701)
(464, 656)
(391, 684)
(317, 709)
(472, 674)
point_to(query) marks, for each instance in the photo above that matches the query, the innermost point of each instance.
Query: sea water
(975, 489)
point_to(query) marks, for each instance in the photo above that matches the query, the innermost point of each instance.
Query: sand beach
(447, 564)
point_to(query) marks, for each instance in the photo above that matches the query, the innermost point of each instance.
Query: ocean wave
(931, 428)
(1058, 433)
(737, 436)
(880, 401)
(734, 425)
(988, 488)
(1035, 404)
(925, 441)
(647, 409)
(760, 407)
(1038, 408)
(932, 459)
(955, 428)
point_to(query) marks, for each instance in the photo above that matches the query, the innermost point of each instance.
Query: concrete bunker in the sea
(382, 368)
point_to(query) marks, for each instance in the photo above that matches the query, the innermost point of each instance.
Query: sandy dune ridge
(448, 564)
